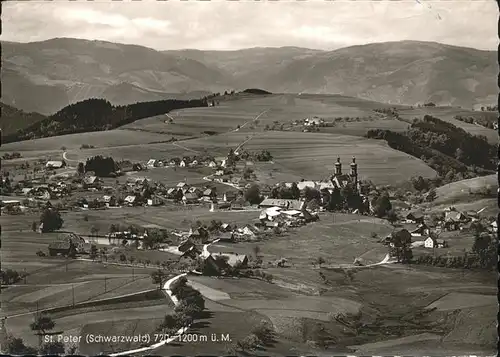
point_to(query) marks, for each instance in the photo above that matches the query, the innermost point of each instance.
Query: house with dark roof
(415, 217)
(226, 237)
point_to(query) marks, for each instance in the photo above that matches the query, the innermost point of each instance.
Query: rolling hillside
(407, 72)
(13, 119)
(69, 70)
(46, 76)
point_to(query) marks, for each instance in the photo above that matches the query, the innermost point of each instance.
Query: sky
(231, 25)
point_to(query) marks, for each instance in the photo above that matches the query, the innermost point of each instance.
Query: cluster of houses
(451, 220)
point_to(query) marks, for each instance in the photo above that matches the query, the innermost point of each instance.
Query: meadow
(98, 139)
(315, 154)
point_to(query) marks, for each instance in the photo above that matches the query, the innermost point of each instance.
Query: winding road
(166, 288)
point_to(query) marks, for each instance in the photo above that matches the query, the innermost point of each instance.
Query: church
(340, 180)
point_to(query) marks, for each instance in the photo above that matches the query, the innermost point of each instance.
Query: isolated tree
(252, 194)
(157, 277)
(382, 205)
(41, 325)
(392, 216)
(256, 250)
(320, 261)
(80, 170)
(294, 190)
(93, 252)
(51, 220)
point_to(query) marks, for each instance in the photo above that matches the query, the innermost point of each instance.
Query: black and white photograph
(249, 178)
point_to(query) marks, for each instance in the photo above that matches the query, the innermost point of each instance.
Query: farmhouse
(189, 198)
(210, 192)
(233, 259)
(282, 203)
(55, 164)
(9, 204)
(302, 185)
(152, 163)
(154, 201)
(435, 243)
(415, 217)
(91, 181)
(453, 220)
(130, 200)
(186, 245)
(422, 229)
(229, 196)
(227, 237)
(494, 227)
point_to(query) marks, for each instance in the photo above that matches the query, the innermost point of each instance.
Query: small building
(9, 204)
(154, 201)
(227, 237)
(229, 196)
(415, 217)
(182, 163)
(210, 192)
(421, 230)
(233, 259)
(153, 163)
(212, 164)
(282, 203)
(55, 164)
(304, 184)
(435, 243)
(182, 185)
(189, 198)
(130, 200)
(91, 181)
(494, 227)
(186, 245)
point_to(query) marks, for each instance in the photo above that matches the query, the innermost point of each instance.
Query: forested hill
(13, 119)
(97, 115)
(451, 151)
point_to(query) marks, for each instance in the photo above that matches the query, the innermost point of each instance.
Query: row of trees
(101, 166)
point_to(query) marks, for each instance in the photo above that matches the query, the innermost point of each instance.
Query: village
(282, 207)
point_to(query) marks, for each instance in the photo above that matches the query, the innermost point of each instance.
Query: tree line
(443, 146)
(97, 115)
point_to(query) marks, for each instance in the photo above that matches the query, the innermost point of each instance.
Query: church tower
(338, 167)
(354, 172)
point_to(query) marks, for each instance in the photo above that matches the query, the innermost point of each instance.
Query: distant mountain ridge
(46, 76)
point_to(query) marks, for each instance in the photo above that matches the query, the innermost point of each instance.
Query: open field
(448, 114)
(313, 153)
(177, 217)
(127, 328)
(462, 190)
(19, 326)
(99, 139)
(459, 301)
(338, 238)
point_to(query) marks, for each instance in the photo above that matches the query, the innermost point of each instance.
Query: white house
(194, 163)
(130, 200)
(434, 243)
(152, 163)
(224, 163)
(55, 164)
(302, 185)
(494, 227)
(182, 163)
(212, 164)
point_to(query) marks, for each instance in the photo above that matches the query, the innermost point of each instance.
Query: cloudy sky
(221, 25)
